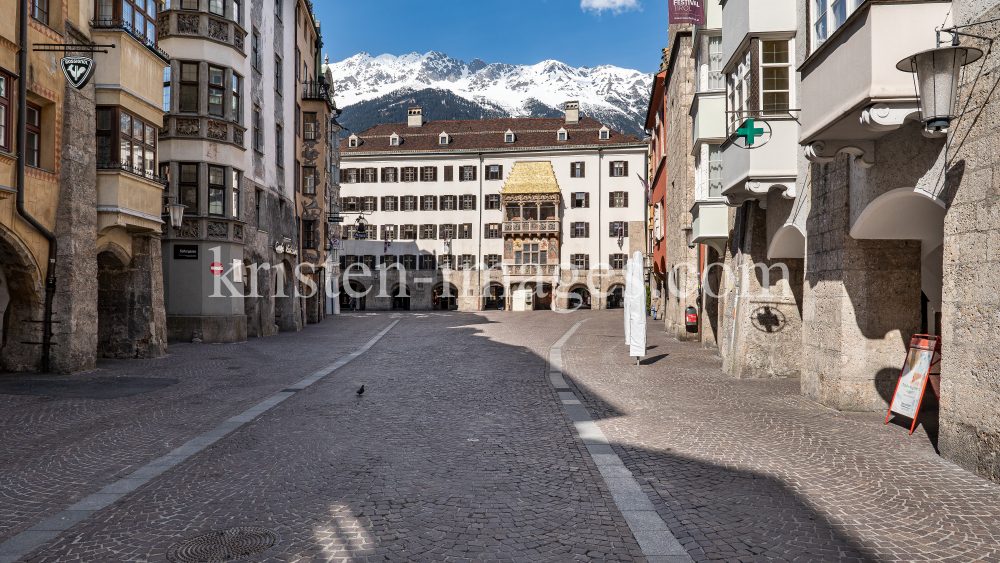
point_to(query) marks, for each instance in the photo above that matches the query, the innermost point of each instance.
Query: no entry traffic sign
(216, 268)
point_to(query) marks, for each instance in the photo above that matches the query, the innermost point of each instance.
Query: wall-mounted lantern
(176, 212)
(936, 76)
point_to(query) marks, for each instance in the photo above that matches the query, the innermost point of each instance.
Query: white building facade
(515, 214)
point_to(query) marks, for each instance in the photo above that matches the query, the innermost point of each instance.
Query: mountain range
(373, 90)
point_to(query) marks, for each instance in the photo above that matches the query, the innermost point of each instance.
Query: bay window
(135, 139)
(828, 15)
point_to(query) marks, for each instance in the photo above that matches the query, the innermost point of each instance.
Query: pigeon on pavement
(361, 391)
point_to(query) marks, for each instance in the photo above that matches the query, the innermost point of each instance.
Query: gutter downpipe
(22, 119)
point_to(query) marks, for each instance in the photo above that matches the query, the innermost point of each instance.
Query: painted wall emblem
(78, 70)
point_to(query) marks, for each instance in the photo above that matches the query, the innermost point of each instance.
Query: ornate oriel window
(134, 138)
(138, 17)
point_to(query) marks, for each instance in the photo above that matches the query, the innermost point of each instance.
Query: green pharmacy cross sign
(748, 131)
(752, 134)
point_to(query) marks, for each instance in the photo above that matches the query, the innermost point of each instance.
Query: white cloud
(616, 6)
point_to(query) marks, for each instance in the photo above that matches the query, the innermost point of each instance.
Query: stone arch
(495, 296)
(584, 299)
(616, 296)
(910, 214)
(130, 321)
(24, 278)
(788, 242)
(360, 295)
(24, 301)
(400, 295)
(113, 254)
(444, 296)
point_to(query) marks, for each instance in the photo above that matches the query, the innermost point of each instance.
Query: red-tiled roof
(485, 134)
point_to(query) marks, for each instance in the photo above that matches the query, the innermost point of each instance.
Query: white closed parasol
(635, 307)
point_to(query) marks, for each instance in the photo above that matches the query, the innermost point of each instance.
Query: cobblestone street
(463, 449)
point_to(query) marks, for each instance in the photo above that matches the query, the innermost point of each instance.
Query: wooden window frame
(308, 173)
(216, 187)
(192, 206)
(184, 85)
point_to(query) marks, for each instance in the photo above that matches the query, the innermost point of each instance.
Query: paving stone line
(30, 539)
(655, 540)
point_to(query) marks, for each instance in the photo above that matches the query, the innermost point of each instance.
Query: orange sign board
(923, 354)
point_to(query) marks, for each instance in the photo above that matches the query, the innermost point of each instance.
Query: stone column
(861, 300)
(970, 370)
(74, 307)
(768, 320)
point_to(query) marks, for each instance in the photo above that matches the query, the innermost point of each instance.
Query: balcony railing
(531, 226)
(128, 27)
(317, 91)
(135, 171)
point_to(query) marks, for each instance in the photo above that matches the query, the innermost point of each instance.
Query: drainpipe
(22, 119)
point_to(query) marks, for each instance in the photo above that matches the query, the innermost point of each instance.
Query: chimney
(415, 117)
(572, 112)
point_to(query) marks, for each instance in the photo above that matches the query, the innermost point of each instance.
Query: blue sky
(577, 32)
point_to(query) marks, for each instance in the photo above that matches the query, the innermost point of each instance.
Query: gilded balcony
(529, 226)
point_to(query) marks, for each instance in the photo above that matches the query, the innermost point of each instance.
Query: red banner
(687, 11)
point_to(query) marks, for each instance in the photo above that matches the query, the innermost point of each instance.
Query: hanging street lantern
(176, 212)
(937, 72)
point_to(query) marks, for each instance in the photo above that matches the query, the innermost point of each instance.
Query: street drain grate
(222, 546)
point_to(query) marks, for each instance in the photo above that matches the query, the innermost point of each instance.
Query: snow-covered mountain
(615, 96)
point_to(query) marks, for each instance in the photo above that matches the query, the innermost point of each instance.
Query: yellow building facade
(81, 268)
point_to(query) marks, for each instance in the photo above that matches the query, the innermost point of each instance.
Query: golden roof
(531, 178)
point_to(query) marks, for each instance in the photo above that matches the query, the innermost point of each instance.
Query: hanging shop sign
(923, 355)
(752, 134)
(361, 229)
(335, 243)
(77, 70)
(687, 11)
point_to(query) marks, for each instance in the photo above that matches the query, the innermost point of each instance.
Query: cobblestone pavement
(460, 450)
(749, 470)
(58, 450)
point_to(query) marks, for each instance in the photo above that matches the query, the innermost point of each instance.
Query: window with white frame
(739, 84)
(716, 80)
(714, 170)
(828, 15)
(775, 70)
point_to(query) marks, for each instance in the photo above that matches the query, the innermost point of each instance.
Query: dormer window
(605, 133)
(352, 141)
(561, 135)
(394, 140)
(443, 139)
(508, 137)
